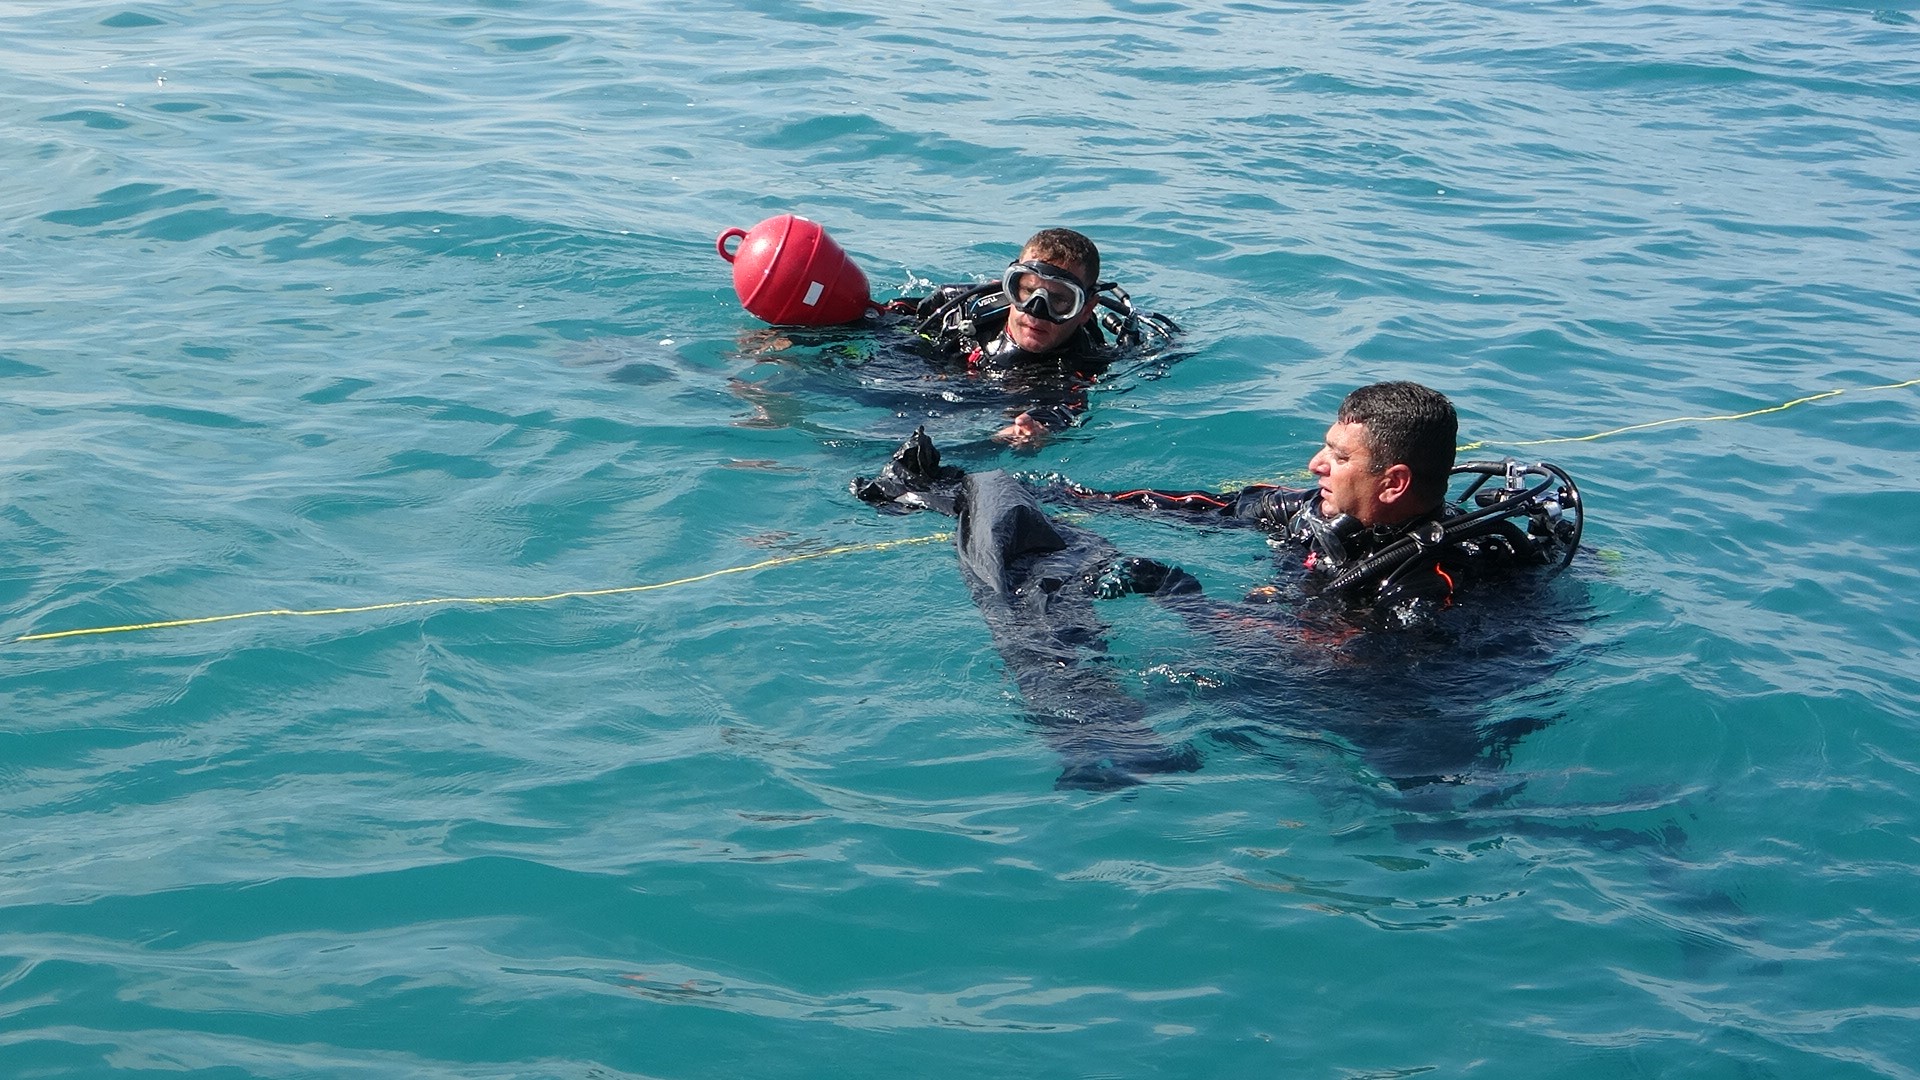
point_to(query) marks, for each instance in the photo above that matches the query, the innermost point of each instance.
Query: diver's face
(1037, 335)
(1348, 482)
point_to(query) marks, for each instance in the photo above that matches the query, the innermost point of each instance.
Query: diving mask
(1044, 291)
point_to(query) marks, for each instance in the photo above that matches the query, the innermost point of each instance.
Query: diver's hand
(1024, 431)
(763, 341)
(1123, 576)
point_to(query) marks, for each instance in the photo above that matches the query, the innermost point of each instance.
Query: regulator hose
(1489, 518)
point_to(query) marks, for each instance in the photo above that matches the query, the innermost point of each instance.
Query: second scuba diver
(1041, 330)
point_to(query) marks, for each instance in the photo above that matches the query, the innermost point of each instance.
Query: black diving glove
(1134, 575)
(912, 472)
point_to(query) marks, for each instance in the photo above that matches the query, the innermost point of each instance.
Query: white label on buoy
(814, 289)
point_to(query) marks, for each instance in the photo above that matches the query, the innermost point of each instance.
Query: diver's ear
(1395, 482)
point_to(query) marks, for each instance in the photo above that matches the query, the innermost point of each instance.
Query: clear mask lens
(1044, 291)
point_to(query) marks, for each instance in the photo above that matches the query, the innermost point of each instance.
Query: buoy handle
(730, 234)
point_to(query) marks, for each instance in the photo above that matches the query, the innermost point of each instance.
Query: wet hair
(1407, 424)
(1063, 246)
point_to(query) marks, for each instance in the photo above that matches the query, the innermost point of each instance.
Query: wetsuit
(966, 327)
(1378, 691)
(1035, 577)
(1399, 573)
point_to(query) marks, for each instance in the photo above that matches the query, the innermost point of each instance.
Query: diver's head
(1051, 288)
(1065, 248)
(1388, 453)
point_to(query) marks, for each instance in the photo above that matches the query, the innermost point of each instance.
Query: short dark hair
(1407, 424)
(1060, 246)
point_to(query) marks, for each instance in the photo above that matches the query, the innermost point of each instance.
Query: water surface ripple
(317, 307)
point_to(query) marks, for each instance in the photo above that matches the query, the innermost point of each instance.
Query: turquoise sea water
(322, 306)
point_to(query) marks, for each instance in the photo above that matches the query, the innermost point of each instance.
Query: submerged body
(1034, 580)
(1319, 663)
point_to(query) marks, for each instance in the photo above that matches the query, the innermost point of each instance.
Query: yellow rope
(850, 549)
(783, 560)
(1694, 419)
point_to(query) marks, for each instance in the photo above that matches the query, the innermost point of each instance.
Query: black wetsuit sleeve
(1413, 597)
(1058, 416)
(1081, 363)
(1263, 506)
(950, 318)
(939, 298)
(1271, 507)
(1427, 584)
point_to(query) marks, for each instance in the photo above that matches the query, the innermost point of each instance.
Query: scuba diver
(1379, 532)
(1041, 330)
(1021, 351)
(1383, 548)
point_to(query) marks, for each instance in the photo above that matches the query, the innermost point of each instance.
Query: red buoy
(789, 272)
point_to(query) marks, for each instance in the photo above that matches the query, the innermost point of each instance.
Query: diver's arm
(1263, 505)
(940, 297)
(1035, 424)
(1064, 377)
(952, 315)
(1248, 624)
(924, 307)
